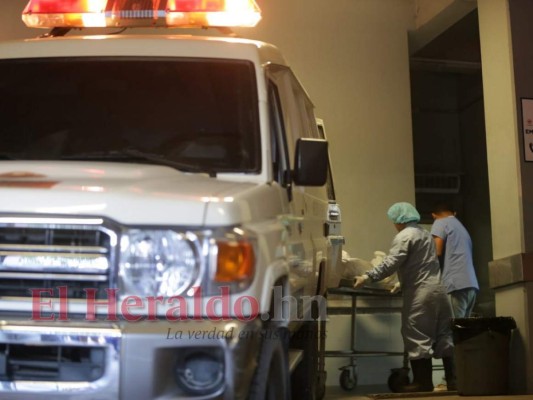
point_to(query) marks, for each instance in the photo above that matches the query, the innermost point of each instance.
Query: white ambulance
(167, 218)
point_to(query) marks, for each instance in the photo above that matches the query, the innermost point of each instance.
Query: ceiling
(456, 49)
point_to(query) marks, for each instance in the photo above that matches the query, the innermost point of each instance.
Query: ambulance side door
(307, 210)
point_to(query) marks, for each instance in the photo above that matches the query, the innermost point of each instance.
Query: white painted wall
(11, 25)
(352, 57)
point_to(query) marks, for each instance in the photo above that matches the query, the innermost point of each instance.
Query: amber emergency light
(140, 13)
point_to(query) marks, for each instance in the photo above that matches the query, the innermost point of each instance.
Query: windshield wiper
(162, 160)
(140, 155)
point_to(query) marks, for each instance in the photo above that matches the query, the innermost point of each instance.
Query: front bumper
(120, 360)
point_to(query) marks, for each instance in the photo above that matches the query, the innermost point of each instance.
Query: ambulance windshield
(198, 113)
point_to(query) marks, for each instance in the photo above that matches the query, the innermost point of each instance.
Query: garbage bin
(482, 354)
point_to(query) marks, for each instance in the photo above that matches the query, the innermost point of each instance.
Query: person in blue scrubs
(454, 245)
(426, 310)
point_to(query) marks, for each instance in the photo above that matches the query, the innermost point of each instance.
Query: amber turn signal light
(235, 261)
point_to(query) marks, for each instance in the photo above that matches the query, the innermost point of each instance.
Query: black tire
(398, 379)
(348, 380)
(304, 379)
(271, 379)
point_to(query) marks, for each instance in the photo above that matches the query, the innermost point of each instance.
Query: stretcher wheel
(398, 379)
(348, 380)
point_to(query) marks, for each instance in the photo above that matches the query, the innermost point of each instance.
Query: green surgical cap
(402, 213)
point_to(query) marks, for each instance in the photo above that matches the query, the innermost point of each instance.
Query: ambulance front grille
(48, 253)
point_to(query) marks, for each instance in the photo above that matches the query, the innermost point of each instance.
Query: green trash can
(482, 354)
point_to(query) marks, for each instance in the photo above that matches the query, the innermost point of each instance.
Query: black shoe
(422, 376)
(449, 373)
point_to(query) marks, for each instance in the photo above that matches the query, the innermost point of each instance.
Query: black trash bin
(482, 354)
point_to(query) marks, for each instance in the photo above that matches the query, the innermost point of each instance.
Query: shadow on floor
(360, 392)
(365, 393)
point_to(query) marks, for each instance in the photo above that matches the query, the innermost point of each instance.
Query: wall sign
(527, 128)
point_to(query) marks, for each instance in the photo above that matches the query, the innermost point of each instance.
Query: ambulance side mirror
(310, 162)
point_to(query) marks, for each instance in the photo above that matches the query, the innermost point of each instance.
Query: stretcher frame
(348, 376)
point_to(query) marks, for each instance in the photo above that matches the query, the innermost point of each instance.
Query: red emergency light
(138, 13)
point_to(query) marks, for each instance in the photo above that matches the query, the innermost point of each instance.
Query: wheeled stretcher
(348, 377)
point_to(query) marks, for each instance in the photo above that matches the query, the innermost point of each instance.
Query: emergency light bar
(140, 13)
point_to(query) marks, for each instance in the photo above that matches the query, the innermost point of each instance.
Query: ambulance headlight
(158, 262)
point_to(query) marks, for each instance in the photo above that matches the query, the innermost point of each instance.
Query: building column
(507, 59)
